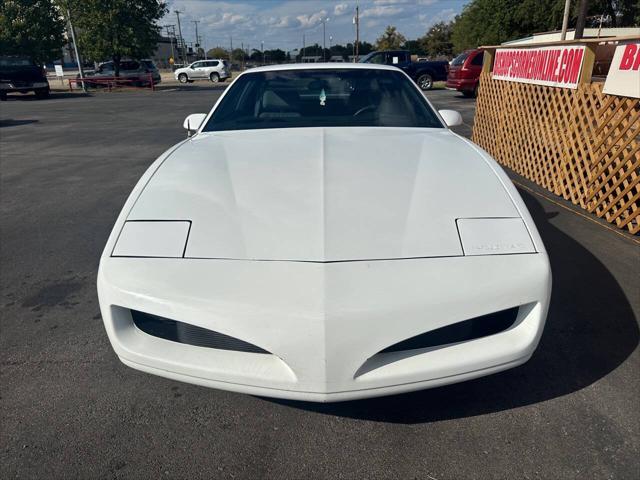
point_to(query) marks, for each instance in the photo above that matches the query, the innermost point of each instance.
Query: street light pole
(75, 48)
(262, 48)
(356, 20)
(324, 41)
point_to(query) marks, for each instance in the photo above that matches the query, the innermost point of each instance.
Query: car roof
(323, 66)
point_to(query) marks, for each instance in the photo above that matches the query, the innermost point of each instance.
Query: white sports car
(324, 236)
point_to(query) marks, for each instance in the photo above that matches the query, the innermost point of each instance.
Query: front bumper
(461, 84)
(324, 324)
(8, 87)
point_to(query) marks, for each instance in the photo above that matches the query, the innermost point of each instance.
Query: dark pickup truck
(21, 74)
(423, 73)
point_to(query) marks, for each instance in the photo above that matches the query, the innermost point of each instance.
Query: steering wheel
(364, 109)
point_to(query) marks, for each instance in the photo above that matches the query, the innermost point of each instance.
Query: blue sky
(281, 23)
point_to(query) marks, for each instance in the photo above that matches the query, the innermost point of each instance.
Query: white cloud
(446, 15)
(312, 20)
(340, 9)
(282, 23)
(372, 23)
(389, 2)
(381, 11)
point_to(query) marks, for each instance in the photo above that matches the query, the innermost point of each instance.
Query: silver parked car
(214, 70)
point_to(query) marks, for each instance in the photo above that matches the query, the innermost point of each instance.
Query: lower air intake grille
(189, 334)
(466, 330)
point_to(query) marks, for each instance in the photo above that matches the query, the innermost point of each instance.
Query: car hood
(29, 73)
(324, 194)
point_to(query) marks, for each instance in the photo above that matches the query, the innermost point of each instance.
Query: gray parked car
(214, 70)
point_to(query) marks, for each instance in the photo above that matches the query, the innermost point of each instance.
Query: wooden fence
(582, 144)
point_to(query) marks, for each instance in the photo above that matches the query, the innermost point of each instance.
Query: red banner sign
(553, 66)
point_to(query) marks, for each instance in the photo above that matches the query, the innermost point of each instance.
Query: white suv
(213, 70)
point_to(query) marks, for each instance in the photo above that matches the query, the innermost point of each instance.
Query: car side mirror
(192, 123)
(451, 117)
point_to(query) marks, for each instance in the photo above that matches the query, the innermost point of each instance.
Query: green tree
(615, 13)
(238, 54)
(256, 55)
(415, 47)
(391, 39)
(275, 56)
(218, 52)
(364, 48)
(31, 27)
(490, 22)
(437, 41)
(117, 29)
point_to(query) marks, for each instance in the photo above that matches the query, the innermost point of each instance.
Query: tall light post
(262, 48)
(304, 47)
(356, 22)
(75, 48)
(324, 34)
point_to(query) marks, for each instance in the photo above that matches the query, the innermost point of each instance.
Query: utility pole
(565, 19)
(181, 40)
(230, 50)
(75, 48)
(262, 47)
(196, 22)
(171, 38)
(582, 18)
(242, 62)
(304, 46)
(356, 20)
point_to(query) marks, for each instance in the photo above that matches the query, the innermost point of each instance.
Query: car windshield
(366, 58)
(15, 62)
(322, 98)
(459, 60)
(129, 65)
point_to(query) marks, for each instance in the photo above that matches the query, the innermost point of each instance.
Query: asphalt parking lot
(70, 409)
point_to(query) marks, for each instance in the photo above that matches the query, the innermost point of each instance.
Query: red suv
(464, 72)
